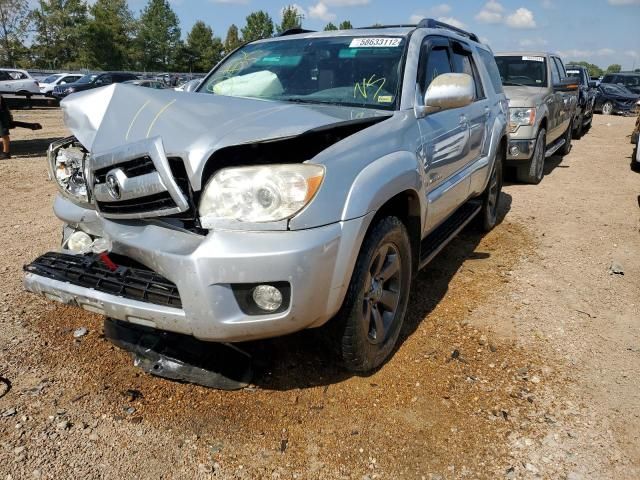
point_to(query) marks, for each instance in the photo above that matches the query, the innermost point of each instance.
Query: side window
(69, 79)
(437, 62)
(555, 74)
(490, 64)
(560, 66)
(463, 63)
(4, 76)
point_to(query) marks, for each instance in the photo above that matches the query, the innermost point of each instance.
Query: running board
(556, 146)
(441, 236)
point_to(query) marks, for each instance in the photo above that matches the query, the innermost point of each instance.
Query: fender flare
(380, 181)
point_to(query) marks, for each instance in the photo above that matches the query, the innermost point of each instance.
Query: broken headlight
(66, 166)
(259, 194)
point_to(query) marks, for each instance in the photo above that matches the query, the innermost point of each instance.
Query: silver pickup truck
(542, 106)
(308, 179)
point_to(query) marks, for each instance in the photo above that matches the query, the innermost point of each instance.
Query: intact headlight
(66, 165)
(259, 194)
(70, 90)
(521, 117)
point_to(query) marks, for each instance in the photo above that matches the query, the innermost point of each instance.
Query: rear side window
(490, 64)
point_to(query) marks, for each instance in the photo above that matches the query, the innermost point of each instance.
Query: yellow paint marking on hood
(155, 119)
(135, 117)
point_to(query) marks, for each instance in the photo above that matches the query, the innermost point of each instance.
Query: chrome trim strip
(163, 182)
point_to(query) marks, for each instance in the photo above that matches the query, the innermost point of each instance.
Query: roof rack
(431, 23)
(295, 31)
(371, 27)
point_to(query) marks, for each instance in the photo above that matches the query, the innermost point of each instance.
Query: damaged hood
(191, 125)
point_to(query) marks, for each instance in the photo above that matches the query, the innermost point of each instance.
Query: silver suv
(542, 105)
(308, 179)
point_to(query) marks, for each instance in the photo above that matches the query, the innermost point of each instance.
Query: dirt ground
(542, 384)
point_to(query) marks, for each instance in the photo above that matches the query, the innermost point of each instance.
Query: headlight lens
(521, 117)
(66, 164)
(70, 90)
(259, 194)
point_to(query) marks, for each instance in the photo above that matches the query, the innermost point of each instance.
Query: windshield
(574, 74)
(51, 78)
(522, 71)
(87, 78)
(350, 71)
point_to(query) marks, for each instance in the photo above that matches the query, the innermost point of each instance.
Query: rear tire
(579, 130)
(533, 171)
(369, 322)
(488, 217)
(566, 148)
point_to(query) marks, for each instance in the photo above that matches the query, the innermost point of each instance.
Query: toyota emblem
(113, 186)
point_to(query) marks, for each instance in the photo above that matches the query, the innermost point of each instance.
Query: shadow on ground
(36, 147)
(306, 359)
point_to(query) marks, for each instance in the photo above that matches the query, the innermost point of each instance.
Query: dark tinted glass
(437, 64)
(463, 63)
(490, 64)
(522, 70)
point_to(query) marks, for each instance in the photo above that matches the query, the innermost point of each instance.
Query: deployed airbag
(258, 84)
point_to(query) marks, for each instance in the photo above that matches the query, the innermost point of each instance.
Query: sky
(598, 31)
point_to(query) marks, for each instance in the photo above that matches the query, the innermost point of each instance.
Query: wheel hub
(375, 292)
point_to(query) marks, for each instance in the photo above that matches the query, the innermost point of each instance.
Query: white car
(48, 84)
(17, 81)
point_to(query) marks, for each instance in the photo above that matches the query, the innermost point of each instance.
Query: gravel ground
(542, 384)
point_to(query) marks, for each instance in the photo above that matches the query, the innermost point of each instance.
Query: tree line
(107, 35)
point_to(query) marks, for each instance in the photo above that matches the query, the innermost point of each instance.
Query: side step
(555, 147)
(441, 236)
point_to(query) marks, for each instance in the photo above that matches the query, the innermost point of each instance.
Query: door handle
(463, 119)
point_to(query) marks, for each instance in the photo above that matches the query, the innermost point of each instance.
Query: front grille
(157, 202)
(150, 203)
(135, 283)
(132, 168)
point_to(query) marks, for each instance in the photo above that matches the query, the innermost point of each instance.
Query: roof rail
(431, 23)
(295, 31)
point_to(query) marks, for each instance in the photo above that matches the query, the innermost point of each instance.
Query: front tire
(489, 214)
(607, 108)
(534, 170)
(369, 322)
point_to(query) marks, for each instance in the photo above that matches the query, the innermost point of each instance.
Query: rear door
(444, 138)
(569, 100)
(478, 112)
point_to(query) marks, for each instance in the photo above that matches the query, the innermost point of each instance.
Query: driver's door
(444, 139)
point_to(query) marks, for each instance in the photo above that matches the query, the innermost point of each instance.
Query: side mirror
(447, 91)
(568, 84)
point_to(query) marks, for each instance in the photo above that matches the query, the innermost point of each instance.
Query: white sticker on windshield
(375, 42)
(533, 59)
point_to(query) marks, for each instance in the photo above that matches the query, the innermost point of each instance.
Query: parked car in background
(630, 80)
(612, 99)
(189, 86)
(542, 105)
(17, 81)
(278, 200)
(635, 140)
(147, 83)
(92, 80)
(586, 99)
(49, 83)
